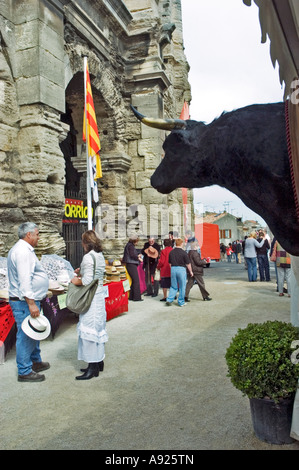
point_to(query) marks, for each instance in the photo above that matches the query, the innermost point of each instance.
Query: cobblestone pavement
(164, 386)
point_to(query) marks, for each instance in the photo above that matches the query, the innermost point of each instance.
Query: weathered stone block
(8, 137)
(152, 150)
(137, 164)
(41, 195)
(40, 90)
(37, 34)
(143, 179)
(42, 10)
(151, 196)
(36, 61)
(8, 194)
(134, 196)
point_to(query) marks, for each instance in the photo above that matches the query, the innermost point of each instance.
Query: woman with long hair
(251, 244)
(92, 334)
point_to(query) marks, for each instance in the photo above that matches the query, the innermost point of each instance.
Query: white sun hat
(36, 328)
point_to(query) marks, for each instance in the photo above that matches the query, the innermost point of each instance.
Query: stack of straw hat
(121, 269)
(112, 275)
(115, 273)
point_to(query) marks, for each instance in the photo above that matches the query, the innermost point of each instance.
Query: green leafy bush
(259, 360)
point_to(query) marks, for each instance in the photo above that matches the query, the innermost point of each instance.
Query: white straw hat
(36, 328)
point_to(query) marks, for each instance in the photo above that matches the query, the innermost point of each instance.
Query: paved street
(164, 386)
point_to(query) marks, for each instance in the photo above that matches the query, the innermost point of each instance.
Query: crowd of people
(29, 283)
(258, 251)
(176, 266)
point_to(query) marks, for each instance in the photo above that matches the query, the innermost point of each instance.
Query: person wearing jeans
(250, 255)
(179, 261)
(262, 257)
(28, 285)
(28, 350)
(283, 263)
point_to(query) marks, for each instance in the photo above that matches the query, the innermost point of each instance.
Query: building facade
(135, 56)
(231, 228)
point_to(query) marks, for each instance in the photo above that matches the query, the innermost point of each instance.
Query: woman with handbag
(92, 334)
(283, 264)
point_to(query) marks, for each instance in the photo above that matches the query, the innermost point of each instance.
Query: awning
(280, 22)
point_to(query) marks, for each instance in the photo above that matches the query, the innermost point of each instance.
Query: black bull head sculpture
(244, 151)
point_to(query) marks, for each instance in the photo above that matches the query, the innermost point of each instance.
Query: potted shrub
(260, 366)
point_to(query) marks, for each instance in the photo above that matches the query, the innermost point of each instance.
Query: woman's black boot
(100, 366)
(91, 371)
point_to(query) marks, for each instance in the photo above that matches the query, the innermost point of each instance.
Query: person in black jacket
(151, 252)
(262, 258)
(132, 259)
(197, 265)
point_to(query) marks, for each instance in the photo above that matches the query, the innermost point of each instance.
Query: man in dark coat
(262, 258)
(150, 252)
(197, 265)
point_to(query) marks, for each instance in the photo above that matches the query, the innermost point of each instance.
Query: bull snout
(158, 182)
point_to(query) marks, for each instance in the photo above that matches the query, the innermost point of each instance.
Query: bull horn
(166, 124)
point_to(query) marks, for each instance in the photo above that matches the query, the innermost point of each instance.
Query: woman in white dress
(92, 334)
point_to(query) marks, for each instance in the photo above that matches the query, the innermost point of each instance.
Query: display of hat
(110, 269)
(36, 328)
(115, 277)
(121, 269)
(151, 252)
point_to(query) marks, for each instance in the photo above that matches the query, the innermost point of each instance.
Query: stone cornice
(114, 160)
(149, 79)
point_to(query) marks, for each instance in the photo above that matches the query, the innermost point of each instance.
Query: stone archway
(111, 112)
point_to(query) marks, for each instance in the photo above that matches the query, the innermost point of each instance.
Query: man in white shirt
(28, 285)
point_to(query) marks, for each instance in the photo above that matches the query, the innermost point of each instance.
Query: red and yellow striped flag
(93, 140)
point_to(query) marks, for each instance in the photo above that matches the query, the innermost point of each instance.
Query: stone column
(39, 78)
(41, 174)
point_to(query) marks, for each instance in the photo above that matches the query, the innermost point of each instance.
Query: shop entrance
(72, 234)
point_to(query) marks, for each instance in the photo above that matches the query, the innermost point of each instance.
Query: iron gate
(72, 231)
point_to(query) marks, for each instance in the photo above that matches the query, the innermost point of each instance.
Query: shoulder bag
(79, 298)
(274, 253)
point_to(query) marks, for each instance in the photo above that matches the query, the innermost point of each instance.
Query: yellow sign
(74, 211)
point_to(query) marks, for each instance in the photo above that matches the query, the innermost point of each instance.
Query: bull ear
(165, 124)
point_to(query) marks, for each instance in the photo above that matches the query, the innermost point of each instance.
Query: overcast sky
(230, 68)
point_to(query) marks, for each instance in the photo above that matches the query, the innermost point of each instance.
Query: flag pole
(88, 186)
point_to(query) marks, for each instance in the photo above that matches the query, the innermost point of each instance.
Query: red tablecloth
(117, 302)
(7, 326)
(6, 321)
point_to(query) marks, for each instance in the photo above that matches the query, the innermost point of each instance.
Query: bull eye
(174, 139)
(177, 137)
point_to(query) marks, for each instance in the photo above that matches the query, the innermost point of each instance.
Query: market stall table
(7, 326)
(116, 303)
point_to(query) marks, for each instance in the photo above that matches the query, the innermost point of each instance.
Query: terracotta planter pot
(272, 421)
